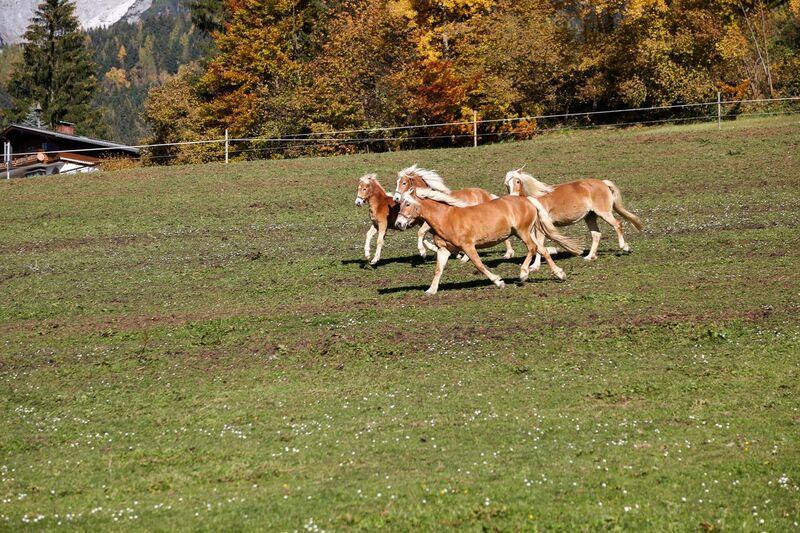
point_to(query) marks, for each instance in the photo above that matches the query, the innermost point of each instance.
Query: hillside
(134, 56)
(91, 13)
(202, 347)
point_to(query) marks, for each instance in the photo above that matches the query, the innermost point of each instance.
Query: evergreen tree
(32, 117)
(56, 69)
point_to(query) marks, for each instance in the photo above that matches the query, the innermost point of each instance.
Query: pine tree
(32, 117)
(56, 69)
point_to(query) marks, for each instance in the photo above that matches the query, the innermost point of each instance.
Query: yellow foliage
(117, 77)
(734, 44)
(639, 8)
(794, 5)
(401, 9)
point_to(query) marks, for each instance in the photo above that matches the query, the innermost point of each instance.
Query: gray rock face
(15, 15)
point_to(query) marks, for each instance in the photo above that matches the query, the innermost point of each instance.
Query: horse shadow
(517, 259)
(463, 285)
(413, 260)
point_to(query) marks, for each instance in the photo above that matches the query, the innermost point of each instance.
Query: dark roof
(75, 138)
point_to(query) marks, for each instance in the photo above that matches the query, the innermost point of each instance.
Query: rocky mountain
(92, 14)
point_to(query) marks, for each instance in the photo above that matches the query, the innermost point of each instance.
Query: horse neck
(377, 197)
(419, 183)
(435, 214)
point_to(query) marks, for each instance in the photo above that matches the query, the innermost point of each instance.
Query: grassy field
(202, 347)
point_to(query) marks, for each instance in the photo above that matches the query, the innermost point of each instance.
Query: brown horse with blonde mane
(421, 178)
(458, 226)
(383, 212)
(577, 200)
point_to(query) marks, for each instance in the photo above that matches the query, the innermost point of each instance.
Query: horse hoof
(374, 262)
(429, 292)
(560, 275)
(626, 249)
(590, 258)
(523, 279)
(500, 284)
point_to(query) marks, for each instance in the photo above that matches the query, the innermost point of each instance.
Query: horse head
(513, 182)
(365, 186)
(409, 210)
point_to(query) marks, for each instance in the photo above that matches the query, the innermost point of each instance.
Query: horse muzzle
(359, 202)
(401, 223)
(396, 197)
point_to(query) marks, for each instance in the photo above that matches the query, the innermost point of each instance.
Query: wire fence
(443, 134)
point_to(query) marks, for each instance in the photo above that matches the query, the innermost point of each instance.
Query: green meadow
(203, 348)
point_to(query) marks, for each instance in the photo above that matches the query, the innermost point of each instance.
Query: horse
(460, 226)
(383, 212)
(422, 178)
(570, 202)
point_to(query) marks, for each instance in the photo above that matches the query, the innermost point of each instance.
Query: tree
(174, 113)
(56, 69)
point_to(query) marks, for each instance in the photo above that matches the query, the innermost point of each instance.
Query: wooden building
(40, 151)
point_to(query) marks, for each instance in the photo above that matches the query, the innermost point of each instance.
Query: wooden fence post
(474, 128)
(719, 111)
(226, 146)
(7, 158)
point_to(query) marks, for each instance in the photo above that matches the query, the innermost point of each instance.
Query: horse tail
(619, 207)
(544, 224)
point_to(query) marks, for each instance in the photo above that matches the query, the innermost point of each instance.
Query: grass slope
(201, 347)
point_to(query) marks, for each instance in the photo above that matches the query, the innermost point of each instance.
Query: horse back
(570, 202)
(472, 195)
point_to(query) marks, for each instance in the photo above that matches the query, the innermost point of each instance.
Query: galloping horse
(460, 226)
(570, 202)
(421, 178)
(382, 212)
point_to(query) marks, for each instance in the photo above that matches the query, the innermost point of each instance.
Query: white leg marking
(421, 238)
(596, 235)
(368, 243)
(509, 250)
(378, 248)
(442, 255)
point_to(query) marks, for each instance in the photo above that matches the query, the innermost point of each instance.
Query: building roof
(75, 138)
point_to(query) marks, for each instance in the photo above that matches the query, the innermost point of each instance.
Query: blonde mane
(530, 185)
(373, 178)
(436, 196)
(430, 177)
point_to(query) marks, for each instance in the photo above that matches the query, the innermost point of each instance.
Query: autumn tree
(175, 114)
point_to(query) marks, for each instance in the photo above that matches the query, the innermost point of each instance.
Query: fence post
(226, 146)
(474, 128)
(719, 111)
(7, 158)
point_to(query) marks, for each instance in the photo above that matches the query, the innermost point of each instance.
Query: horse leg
(442, 255)
(509, 250)
(379, 243)
(542, 249)
(524, 271)
(425, 228)
(594, 229)
(608, 217)
(476, 260)
(539, 240)
(368, 243)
